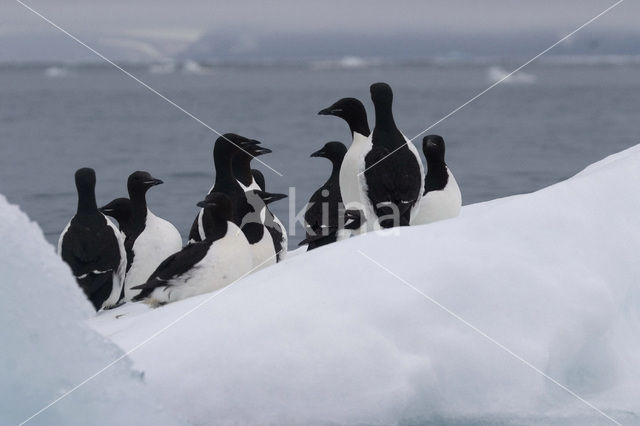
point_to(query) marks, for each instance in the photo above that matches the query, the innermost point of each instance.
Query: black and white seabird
(272, 223)
(353, 219)
(441, 198)
(245, 215)
(223, 257)
(151, 239)
(352, 111)
(93, 247)
(393, 168)
(241, 166)
(325, 205)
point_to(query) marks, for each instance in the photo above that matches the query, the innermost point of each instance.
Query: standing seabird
(151, 239)
(245, 215)
(441, 198)
(223, 257)
(325, 205)
(351, 180)
(93, 247)
(393, 169)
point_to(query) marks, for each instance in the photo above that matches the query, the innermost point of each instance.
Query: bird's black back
(89, 245)
(392, 171)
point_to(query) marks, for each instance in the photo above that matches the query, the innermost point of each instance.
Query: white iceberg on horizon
(498, 74)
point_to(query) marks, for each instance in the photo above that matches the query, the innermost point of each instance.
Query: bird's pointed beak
(105, 209)
(318, 153)
(269, 197)
(204, 204)
(275, 197)
(326, 111)
(258, 150)
(154, 182)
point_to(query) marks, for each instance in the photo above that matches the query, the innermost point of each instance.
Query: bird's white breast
(159, 240)
(352, 182)
(439, 205)
(352, 166)
(227, 260)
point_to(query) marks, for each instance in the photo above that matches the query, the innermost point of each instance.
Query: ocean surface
(536, 129)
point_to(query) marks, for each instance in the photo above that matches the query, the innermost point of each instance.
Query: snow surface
(47, 347)
(329, 337)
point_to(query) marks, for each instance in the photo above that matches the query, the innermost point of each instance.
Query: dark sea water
(519, 137)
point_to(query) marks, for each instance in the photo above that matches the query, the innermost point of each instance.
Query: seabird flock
(378, 182)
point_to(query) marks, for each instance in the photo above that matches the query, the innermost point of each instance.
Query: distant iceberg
(496, 73)
(56, 72)
(193, 67)
(346, 62)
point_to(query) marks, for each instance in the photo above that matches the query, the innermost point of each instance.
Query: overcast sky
(184, 21)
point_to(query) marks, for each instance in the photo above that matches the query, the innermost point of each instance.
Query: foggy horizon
(196, 29)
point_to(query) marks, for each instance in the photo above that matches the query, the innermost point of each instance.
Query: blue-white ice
(47, 347)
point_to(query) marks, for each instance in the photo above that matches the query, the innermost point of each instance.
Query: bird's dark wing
(172, 267)
(313, 215)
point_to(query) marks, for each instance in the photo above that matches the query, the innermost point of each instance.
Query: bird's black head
(85, 180)
(139, 182)
(353, 219)
(381, 94)
(352, 111)
(120, 209)
(333, 151)
(433, 148)
(229, 145)
(269, 197)
(219, 204)
(250, 149)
